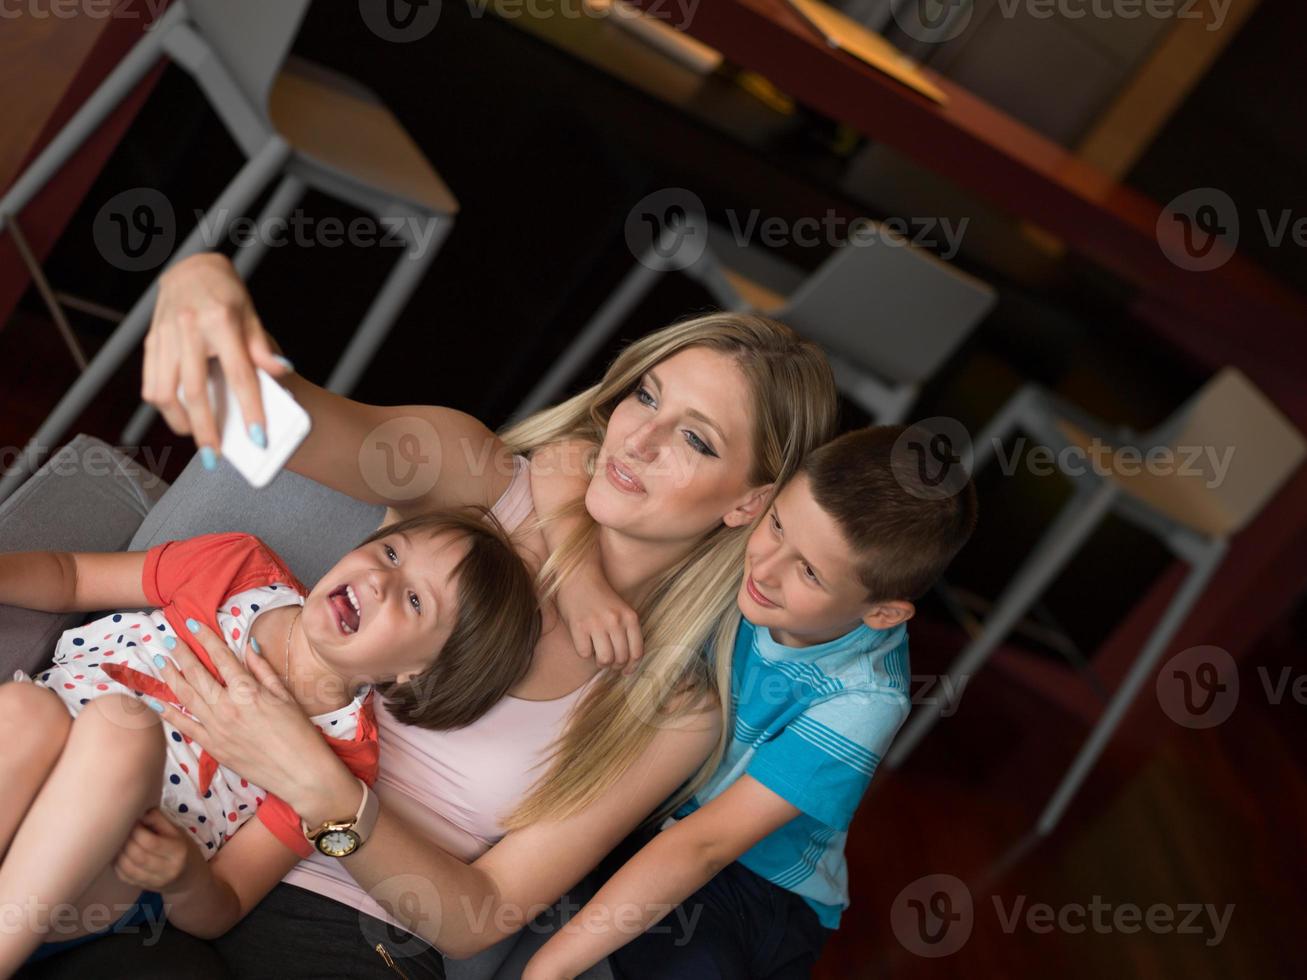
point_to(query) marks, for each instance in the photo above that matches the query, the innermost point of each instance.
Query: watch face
(338, 843)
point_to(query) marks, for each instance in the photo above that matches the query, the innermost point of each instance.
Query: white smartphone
(286, 426)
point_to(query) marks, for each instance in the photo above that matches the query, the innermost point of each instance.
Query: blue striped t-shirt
(811, 724)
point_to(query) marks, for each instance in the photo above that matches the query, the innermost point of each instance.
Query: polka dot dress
(115, 654)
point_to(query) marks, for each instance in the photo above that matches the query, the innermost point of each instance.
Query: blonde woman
(480, 828)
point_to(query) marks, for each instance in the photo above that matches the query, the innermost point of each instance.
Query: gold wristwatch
(339, 838)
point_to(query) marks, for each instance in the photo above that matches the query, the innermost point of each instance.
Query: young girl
(407, 614)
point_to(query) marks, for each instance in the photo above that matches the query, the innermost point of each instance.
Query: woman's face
(676, 458)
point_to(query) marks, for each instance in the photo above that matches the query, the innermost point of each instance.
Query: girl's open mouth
(345, 604)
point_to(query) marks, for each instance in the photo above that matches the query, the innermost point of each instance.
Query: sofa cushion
(309, 525)
(87, 497)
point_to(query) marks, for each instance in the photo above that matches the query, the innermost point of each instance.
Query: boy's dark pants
(739, 926)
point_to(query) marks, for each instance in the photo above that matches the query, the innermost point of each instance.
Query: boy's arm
(64, 581)
(668, 870)
(212, 896)
(597, 618)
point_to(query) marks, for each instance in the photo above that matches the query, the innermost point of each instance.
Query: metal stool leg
(394, 294)
(1016, 413)
(234, 200)
(117, 85)
(246, 259)
(633, 287)
(1064, 537)
(1188, 593)
(615, 309)
(280, 203)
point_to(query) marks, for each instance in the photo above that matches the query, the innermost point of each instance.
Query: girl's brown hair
(495, 632)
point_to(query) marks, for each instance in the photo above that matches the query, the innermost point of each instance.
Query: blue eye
(698, 444)
(643, 396)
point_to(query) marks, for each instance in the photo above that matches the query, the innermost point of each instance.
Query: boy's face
(800, 575)
(407, 595)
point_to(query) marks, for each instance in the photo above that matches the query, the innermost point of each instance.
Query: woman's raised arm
(412, 458)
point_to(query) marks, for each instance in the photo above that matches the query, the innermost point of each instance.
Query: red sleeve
(361, 754)
(190, 579)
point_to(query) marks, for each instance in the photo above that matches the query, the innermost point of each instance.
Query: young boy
(755, 859)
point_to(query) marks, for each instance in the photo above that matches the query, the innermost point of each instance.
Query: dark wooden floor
(1208, 818)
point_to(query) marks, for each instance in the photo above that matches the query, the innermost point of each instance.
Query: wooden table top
(980, 147)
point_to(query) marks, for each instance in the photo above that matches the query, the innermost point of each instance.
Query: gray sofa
(89, 497)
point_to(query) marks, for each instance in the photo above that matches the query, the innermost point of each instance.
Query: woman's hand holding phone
(204, 311)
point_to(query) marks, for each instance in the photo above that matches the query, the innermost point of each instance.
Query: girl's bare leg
(106, 777)
(34, 725)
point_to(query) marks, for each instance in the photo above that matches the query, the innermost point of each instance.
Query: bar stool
(293, 120)
(887, 313)
(1193, 509)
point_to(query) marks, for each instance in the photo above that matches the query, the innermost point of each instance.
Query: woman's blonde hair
(691, 607)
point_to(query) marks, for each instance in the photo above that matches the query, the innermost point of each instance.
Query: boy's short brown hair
(495, 632)
(904, 539)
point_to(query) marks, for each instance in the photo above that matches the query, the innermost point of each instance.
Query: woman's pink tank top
(455, 786)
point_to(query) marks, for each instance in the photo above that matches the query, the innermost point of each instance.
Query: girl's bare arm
(66, 581)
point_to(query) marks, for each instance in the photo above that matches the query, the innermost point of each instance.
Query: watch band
(366, 818)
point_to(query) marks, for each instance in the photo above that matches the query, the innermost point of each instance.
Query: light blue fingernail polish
(208, 458)
(160, 662)
(192, 625)
(255, 643)
(169, 642)
(284, 362)
(154, 705)
(257, 437)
